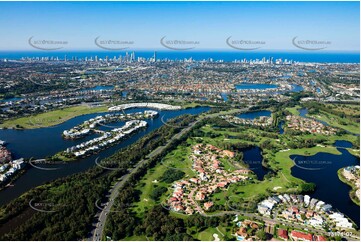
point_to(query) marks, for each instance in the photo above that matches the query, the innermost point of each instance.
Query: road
(114, 192)
(99, 230)
(277, 221)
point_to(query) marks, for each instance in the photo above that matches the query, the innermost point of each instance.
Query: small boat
(2, 142)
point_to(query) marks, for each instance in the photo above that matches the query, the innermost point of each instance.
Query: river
(44, 142)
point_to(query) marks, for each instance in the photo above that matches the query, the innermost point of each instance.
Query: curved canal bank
(321, 169)
(352, 186)
(45, 142)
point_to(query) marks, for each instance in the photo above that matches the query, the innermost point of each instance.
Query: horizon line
(185, 51)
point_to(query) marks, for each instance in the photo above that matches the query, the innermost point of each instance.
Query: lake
(280, 126)
(260, 86)
(255, 114)
(43, 142)
(13, 99)
(296, 88)
(253, 157)
(304, 112)
(224, 96)
(321, 169)
(99, 88)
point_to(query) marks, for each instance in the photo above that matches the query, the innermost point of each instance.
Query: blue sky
(209, 23)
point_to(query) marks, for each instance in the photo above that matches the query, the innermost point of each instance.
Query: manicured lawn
(51, 118)
(348, 109)
(338, 122)
(248, 192)
(136, 238)
(294, 110)
(354, 152)
(207, 234)
(285, 163)
(146, 186)
(190, 105)
(351, 184)
(177, 159)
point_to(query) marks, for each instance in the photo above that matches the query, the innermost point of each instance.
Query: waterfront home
(287, 197)
(316, 221)
(276, 199)
(340, 220)
(282, 198)
(300, 198)
(319, 205)
(4, 167)
(260, 121)
(160, 106)
(323, 213)
(108, 138)
(294, 198)
(326, 208)
(307, 200)
(18, 164)
(3, 177)
(313, 202)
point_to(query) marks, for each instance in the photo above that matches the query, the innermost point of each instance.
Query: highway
(114, 192)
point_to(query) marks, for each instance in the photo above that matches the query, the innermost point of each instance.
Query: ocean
(227, 56)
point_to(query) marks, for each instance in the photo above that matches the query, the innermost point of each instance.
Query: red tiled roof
(320, 238)
(300, 235)
(282, 233)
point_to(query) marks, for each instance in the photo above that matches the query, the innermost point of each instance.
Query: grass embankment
(177, 159)
(207, 235)
(294, 110)
(283, 181)
(338, 122)
(51, 118)
(248, 192)
(60, 157)
(348, 109)
(354, 152)
(334, 120)
(352, 193)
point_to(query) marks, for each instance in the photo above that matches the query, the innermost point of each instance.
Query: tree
(157, 193)
(171, 175)
(261, 235)
(308, 187)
